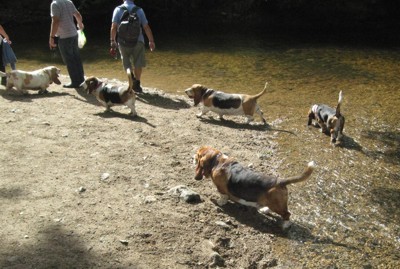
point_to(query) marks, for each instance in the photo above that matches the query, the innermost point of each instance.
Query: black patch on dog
(325, 112)
(247, 184)
(111, 94)
(225, 101)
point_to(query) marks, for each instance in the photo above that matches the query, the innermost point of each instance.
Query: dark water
(347, 215)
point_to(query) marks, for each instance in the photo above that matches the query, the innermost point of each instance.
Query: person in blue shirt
(132, 55)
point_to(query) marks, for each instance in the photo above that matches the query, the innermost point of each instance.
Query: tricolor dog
(36, 80)
(329, 119)
(226, 103)
(242, 185)
(111, 95)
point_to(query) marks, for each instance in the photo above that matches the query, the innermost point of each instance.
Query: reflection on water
(348, 212)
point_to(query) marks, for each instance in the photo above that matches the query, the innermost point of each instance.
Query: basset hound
(226, 103)
(329, 119)
(245, 186)
(111, 95)
(36, 80)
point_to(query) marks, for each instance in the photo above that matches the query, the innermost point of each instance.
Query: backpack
(129, 29)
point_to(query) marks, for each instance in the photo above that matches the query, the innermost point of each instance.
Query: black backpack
(129, 29)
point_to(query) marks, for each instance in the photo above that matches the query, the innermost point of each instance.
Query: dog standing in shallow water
(110, 95)
(329, 119)
(226, 103)
(242, 185)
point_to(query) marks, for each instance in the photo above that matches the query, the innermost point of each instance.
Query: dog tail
(306, 174)
(262, 92)
(339, 103)
(130, 79)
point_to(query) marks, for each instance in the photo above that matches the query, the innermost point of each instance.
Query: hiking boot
(136, 87)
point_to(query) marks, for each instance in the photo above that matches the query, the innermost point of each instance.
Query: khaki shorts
(133, 56)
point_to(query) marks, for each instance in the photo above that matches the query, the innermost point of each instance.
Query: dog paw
(222, 201)
(286, 225)
(265, 210)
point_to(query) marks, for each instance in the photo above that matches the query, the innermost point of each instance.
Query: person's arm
(55, 22)
(79, 20)
(4, 34)
(149, 35)
(113, 34)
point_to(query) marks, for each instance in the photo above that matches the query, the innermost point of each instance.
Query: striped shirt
(64, 9)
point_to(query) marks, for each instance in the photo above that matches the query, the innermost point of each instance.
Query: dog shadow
(391, 142)
(162, 100)
(271, 224)
(13, 95)
(241, 125)
(87, 98)
(347, 141)
(250, 216)
(113, 114)
(350, 144)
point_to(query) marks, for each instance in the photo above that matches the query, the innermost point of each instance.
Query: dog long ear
(198, 95)
(93, 83)
(337, 114)
(54, 75)
(205, 159)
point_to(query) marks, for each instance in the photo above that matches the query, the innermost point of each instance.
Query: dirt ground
(81, 188)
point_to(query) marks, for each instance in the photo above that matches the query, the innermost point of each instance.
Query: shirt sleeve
(142, 17)
(117, 14)
(54, 10)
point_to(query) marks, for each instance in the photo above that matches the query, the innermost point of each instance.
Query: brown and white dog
(242, 185)
(329, 119)
(36, 80)
(226, 103)
(111, 95)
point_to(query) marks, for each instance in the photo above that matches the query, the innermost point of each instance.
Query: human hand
(52, 43)
(152, 45)
(80, 26)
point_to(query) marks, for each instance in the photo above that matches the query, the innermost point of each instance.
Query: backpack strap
(134, 9)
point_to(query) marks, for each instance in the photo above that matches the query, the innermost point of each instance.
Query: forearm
(150, 36)
(149, 33)
(3, 33)
(55, 22)
(79, 20)
(113, 32)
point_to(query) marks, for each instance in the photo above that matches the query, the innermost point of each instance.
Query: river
(348, 213)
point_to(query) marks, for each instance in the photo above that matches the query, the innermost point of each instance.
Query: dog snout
(199, 174)
(83, 86)
(189, 92)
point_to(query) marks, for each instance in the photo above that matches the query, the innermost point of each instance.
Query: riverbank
(81, 188)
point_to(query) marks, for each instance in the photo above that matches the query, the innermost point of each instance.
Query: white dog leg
(131, 105)
(286, 225)
(265, 210)
(203, 111)
(223, 199)
(249, 119)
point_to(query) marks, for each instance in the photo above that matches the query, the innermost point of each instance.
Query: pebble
(223, 225)
(124, 242)
(185, 194)
(81, 189)
(105, 176)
